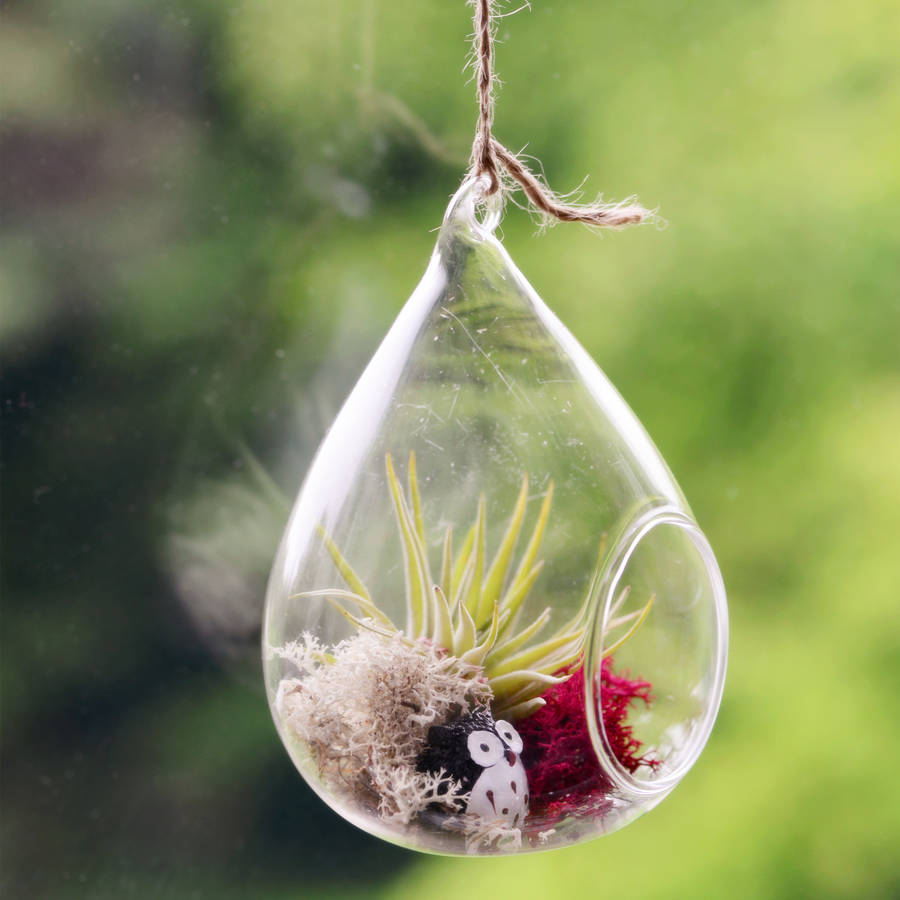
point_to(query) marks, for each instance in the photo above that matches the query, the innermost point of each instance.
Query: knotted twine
(488, 154)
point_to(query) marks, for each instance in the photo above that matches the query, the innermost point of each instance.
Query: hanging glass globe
(493, 625)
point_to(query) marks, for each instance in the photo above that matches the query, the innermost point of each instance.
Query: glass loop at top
(472, 206)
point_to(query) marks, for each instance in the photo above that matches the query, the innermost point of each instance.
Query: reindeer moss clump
(365, 708)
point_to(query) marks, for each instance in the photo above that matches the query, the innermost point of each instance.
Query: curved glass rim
(627, 543)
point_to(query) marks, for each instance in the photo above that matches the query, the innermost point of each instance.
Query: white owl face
(487, 748)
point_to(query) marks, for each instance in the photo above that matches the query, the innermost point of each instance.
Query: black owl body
(446, 748)
(484, 756)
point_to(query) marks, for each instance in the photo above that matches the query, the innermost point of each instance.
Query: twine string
(492, 159)
(483, 155)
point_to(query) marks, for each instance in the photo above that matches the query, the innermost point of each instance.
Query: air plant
(473, 610)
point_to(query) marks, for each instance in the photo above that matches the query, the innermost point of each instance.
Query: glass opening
(671, 669)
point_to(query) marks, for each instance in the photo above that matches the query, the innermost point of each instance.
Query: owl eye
(485, 748)
(509, 735)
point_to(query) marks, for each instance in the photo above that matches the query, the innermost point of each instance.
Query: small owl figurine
(484, 756)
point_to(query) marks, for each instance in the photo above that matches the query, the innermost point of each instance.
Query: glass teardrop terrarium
(493, 625)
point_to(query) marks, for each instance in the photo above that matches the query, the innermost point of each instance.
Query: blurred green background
(211, 212)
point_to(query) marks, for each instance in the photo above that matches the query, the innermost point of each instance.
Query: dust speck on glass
(493, 625)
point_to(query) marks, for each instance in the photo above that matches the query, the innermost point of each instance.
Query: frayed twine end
(489, 155)
(602, 215)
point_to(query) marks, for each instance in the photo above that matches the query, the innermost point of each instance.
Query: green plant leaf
(464, 632)
(510, 646)
(447, 564)
(363, 603)
(473, 597)
(535, 656)
(354, 582)
(522, 680)
(526, 574)
(637, 624)
(516, 687)
(497, 573)
(519, 710)
(477, 654)
(462, 561)
(361, 623)
(513, 599)
(442, 635)
(418, 579)
(416, 500)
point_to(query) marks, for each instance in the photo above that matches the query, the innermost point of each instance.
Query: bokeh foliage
(211, 212)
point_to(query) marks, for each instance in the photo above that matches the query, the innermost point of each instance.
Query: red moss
(563, 770)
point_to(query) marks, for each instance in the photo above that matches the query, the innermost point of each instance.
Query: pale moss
(364, 709)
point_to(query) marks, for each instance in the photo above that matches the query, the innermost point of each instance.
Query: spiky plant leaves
(501, 651)
(534, 655)
(514, 597)
(472, 614)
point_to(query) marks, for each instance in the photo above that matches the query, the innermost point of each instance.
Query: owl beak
(510, 757)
